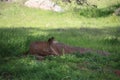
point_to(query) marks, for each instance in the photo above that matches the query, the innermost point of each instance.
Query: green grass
(103, 3)
(99, 30)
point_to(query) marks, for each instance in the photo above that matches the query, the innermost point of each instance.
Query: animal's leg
(53, 50)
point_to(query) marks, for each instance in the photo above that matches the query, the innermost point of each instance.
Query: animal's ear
(50, 40)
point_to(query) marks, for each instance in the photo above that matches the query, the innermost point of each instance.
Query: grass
(19, 26)
(98, 12)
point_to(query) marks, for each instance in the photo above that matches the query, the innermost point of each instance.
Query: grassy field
(95, 28)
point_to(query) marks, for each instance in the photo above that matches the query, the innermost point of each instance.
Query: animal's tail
(85, 50)
(103, 52)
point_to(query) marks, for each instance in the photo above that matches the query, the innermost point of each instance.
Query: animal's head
(50, 40)
(43, 48)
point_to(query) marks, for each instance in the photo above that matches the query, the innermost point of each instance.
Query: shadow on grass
(15, 41)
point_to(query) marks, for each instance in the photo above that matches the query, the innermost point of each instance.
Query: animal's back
(40, 48)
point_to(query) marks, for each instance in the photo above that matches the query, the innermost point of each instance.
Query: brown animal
(52, 47)
(117, 72)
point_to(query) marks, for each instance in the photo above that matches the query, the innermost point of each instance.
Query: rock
(44, 4)
(57, 8)
(117, 11)
(6, 0)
